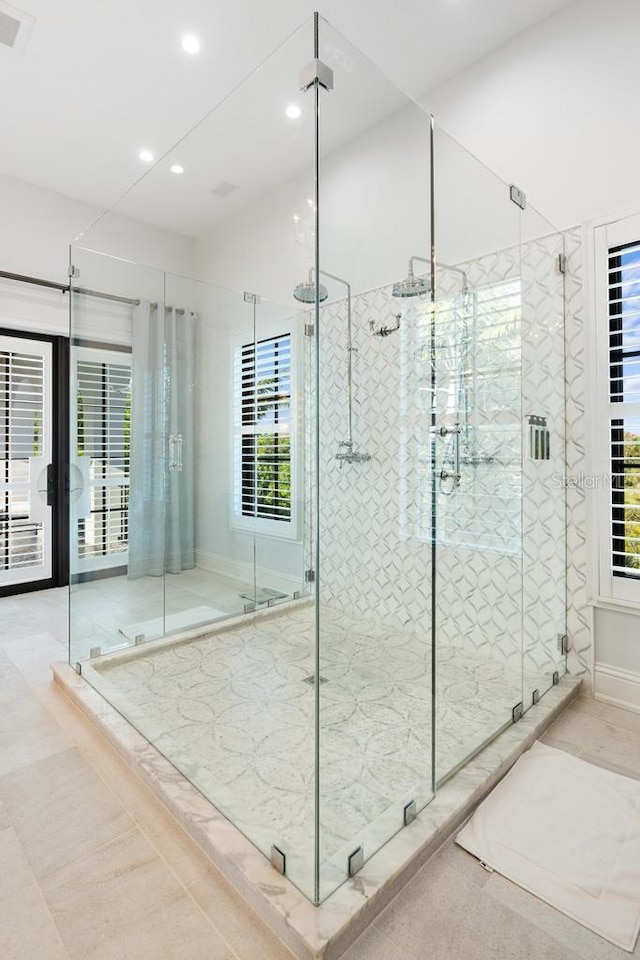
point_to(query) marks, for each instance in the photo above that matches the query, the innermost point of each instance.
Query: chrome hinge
(355, 861)
(518, 196)
(410, 812)
(535, 696)
(278, 859)
(72, 271)
(78, 668)
(563, 643)
(556, 678)
(561, 264)
(309, 329)
(517, 712)
(310, 576)
(251, 297)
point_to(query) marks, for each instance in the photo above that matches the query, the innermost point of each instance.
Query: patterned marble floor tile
(233, 711)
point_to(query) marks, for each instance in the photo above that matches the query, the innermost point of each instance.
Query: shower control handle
(456, 473)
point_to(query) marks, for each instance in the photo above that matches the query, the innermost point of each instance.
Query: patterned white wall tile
(579, 620)
(505, 524)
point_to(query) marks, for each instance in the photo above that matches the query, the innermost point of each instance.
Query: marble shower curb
(328, 930)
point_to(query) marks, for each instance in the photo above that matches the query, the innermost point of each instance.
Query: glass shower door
(117, 455)
(475, 329)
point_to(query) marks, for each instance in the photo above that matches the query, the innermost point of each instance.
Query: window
(624, 392)
(24, 449)
(615, 410)
(263, 417)
(102, 448)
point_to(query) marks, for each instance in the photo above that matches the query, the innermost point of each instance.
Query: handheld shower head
(305, 292)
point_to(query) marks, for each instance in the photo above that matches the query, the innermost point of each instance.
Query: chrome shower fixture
(385, 331)
(413, 286)
(305, 292)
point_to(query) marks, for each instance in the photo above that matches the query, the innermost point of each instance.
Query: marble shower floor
(233, 710)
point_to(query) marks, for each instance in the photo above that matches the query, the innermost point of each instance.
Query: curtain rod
(65, 288)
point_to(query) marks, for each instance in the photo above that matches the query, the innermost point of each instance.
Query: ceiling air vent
(223, 190)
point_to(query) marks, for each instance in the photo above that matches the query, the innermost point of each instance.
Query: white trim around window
(609, 588)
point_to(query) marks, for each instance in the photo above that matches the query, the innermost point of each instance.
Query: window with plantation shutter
(102, 441)
(263, 434)
(624, 397)
(23, 452)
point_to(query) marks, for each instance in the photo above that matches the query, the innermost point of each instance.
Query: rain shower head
(305, 292)
(411, 286)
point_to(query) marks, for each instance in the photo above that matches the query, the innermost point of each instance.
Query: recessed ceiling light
(190, 43)
(176, 168)
(293, 111)
(296, 218)
(146, 156)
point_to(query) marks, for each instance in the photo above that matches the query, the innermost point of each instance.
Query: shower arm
(332, 276)
(443, 266)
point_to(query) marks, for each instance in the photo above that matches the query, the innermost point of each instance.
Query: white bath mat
(569, 833)
(185, 620)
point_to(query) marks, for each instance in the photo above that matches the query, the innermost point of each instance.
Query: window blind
(22, 399)
(103, 417)
(624, 391)
(263, 404)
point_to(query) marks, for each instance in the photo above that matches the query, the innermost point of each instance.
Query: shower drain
(311, 679)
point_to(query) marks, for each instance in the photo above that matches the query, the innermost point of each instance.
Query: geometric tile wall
(500, 560)
(579, 613)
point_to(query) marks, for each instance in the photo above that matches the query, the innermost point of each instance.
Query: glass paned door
(25, 461)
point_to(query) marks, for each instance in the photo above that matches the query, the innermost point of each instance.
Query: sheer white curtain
(161, 508)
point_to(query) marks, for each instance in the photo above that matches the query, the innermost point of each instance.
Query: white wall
(554, 110)
(37, 226)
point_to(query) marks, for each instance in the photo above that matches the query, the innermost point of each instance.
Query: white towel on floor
(568, 832)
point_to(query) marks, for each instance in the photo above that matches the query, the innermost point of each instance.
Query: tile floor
(103, 608)
(94, 868)
(234, 711)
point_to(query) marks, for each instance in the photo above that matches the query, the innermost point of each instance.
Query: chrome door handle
(175, 451)
(456, 473)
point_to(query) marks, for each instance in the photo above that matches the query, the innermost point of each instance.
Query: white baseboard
(621, 688)
(240, 570)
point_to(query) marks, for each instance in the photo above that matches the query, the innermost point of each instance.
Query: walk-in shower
(347, 576)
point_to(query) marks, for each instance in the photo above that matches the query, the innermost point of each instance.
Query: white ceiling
(100, 79)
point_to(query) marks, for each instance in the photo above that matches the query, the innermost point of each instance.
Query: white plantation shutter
(624, 399)
(263, 440)
(103, 434)
(22, 412)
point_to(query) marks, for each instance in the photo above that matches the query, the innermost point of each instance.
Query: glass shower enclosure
(317, 533)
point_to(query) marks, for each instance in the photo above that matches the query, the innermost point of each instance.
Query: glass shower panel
(278, 455)
(475, 329)
(241, 718)
(210, 532)
(374, 676)
(544, 471)
(117, 455)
